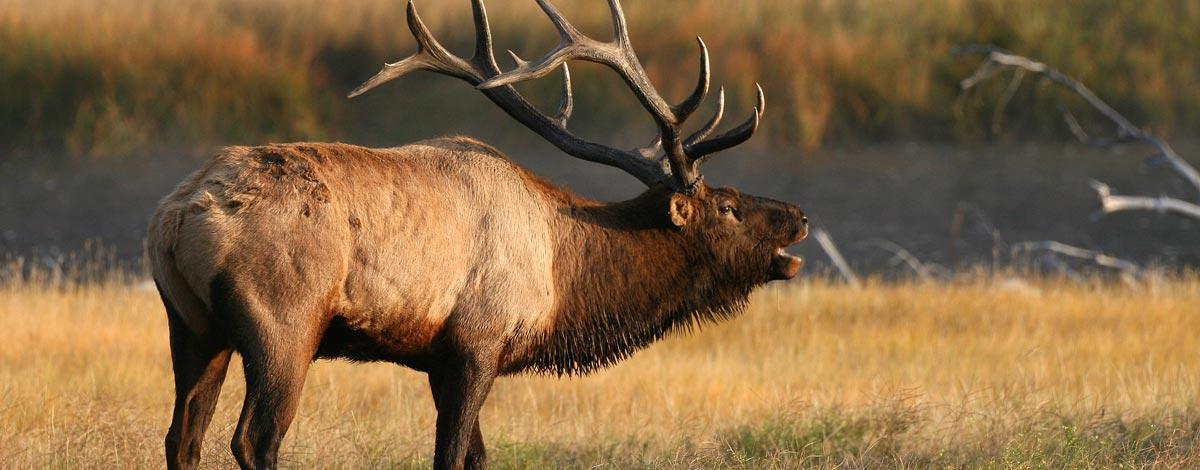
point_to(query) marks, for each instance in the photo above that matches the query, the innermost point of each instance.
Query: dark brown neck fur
(626, 277)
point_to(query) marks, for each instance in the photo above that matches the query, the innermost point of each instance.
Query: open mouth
(786, 265)
(781, 252)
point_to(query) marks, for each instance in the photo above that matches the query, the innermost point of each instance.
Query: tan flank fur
(446, 257)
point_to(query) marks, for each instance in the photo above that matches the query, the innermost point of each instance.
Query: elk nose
(801, 231)
(799, 215)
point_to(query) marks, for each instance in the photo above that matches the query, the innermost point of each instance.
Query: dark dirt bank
(905, 193)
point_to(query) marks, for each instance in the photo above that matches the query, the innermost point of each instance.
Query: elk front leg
(459, 393)
(476, 453)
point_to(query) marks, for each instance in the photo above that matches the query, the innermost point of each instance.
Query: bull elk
(446, 257)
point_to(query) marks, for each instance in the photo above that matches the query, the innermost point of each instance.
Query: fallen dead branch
(835, 256)
(1095, 257)
(1161, 204)
(999, 61)
(900, 255)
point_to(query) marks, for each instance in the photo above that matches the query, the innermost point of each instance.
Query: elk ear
(681, 209)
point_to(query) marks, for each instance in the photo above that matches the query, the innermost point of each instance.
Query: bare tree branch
(1064, 249)
(1049, 259)
(899, 254)
(1161, 204)
(1009, 92)
(999, 60)
(835, 256)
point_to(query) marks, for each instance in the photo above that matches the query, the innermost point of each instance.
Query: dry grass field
(983, 373)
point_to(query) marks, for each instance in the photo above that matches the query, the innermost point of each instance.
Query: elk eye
(727, 209)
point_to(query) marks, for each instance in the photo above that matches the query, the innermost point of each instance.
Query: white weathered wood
(999, 61)
(1064, 249)
(899, 254)
(835, 256)
(1110, 203)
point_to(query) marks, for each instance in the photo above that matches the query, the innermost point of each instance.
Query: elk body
(445, 257)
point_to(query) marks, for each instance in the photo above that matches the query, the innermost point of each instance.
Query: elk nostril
(804, 220)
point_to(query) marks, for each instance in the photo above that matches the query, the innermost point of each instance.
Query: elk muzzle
(785, 266)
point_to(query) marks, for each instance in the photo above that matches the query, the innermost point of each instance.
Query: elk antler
(669, 160)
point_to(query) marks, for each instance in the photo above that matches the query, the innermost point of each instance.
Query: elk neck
(625, 277)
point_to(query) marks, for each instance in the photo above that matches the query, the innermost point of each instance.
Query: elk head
(743, 234)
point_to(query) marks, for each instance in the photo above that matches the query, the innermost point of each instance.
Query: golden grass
(977, 373)
(112, 77)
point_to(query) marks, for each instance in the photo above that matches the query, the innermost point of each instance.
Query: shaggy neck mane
(626, 277)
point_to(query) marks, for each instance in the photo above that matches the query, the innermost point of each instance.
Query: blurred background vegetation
(101, 78)
(105, 105)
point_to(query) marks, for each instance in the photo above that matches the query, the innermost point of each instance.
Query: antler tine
(620, 29)
(685, 108)
(571, 45)
(651, 150)
(484, 57)
(700, 151)
(566, 31)
(712, 123)
(430, 55)
(619, 56)
(566, 103)
(517, 59)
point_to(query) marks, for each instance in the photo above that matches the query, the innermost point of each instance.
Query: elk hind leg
(273, 389)
(199, 365)
(277, 345)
